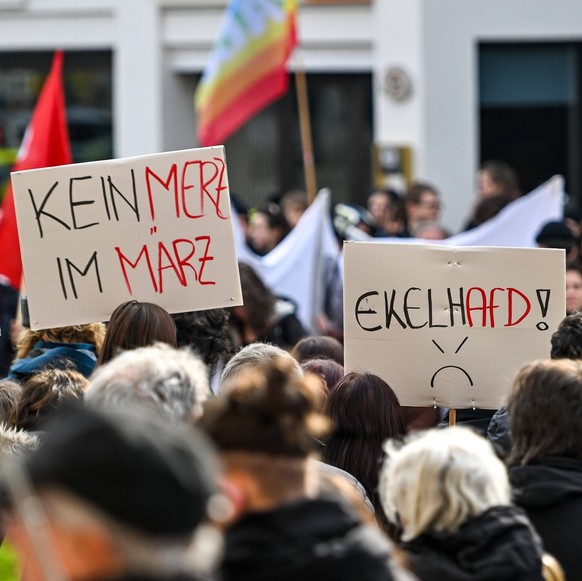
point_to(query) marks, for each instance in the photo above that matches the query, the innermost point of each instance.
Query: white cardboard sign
(155, 228)
(449, 326)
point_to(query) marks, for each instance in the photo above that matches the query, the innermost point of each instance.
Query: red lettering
(205, 181)
(493, 306)
(177, 258)
(511, 292)
(172, 176)
(204, 259)
(162, 251)
(123, 259)
(482, 307)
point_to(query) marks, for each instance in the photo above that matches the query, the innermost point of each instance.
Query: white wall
(436, 41)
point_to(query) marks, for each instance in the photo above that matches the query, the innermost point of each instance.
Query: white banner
(155, 228)
(295, 268)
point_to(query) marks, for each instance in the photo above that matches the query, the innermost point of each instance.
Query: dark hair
(416, 189)
(318, 347)
(268, 410)
(259, 301)
(504, 176)
(489, 207)
(567, 340)
(207, 332)
(298, 197)
(545, 411)
(365, 412)
(328, 369)
(274, 215)
(43, 393)
(135, 324)
(574, 265)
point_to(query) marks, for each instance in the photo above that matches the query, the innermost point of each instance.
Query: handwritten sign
(156, 228)
(450, 326)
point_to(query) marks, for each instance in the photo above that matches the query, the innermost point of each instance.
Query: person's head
(555, 234)
(206, 332)
(429, 230)
(497, 178)
(364, 412)
(92, 334)
(567, 340)
(9, 396)
(441, 479)
(489, 206)
(259, 301)
(545, 411)
(267, 227)
(422, 203)
(573, 287)
(43, 393)
(135, 324)
(293, 203)
(121, 492)
(318, 347)
(172, 382)
(379, 205)
(266, 426)
(253, 356)
(328, 370)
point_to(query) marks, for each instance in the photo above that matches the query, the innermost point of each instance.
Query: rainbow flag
(247, 69)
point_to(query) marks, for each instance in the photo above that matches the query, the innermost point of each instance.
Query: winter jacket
(49, 355)
(550, 491)
(498, 545)
(305, 540)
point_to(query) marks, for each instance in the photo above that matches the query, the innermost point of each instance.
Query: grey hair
(160, 377)
(252, 356)
(440, 479)
(15, 442)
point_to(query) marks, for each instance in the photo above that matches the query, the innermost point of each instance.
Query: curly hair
(43, 393)
(207, 332)
(93, 333)
(567, 340)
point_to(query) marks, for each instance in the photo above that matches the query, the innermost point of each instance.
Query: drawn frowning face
(458, 370)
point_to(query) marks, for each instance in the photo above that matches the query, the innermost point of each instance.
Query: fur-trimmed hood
(14, 442)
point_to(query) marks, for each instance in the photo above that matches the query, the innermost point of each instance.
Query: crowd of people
(288, 468)
(231, 444)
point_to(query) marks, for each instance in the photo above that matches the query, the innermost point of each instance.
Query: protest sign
(155, 228)
(449, 326)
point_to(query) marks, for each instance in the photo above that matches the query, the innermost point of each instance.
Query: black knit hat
(554, 230)
(140, 471)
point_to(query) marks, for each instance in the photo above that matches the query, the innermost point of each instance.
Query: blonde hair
(93, 333)
(440, 479)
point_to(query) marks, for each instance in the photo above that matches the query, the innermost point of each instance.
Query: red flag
(45, 144)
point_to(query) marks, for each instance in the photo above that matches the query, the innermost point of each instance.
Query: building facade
(424, 88)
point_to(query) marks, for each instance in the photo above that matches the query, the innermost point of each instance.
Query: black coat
(550, 491)
(498, 545)
(309, 539)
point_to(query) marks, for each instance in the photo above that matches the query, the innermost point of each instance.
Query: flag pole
(305, 129)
